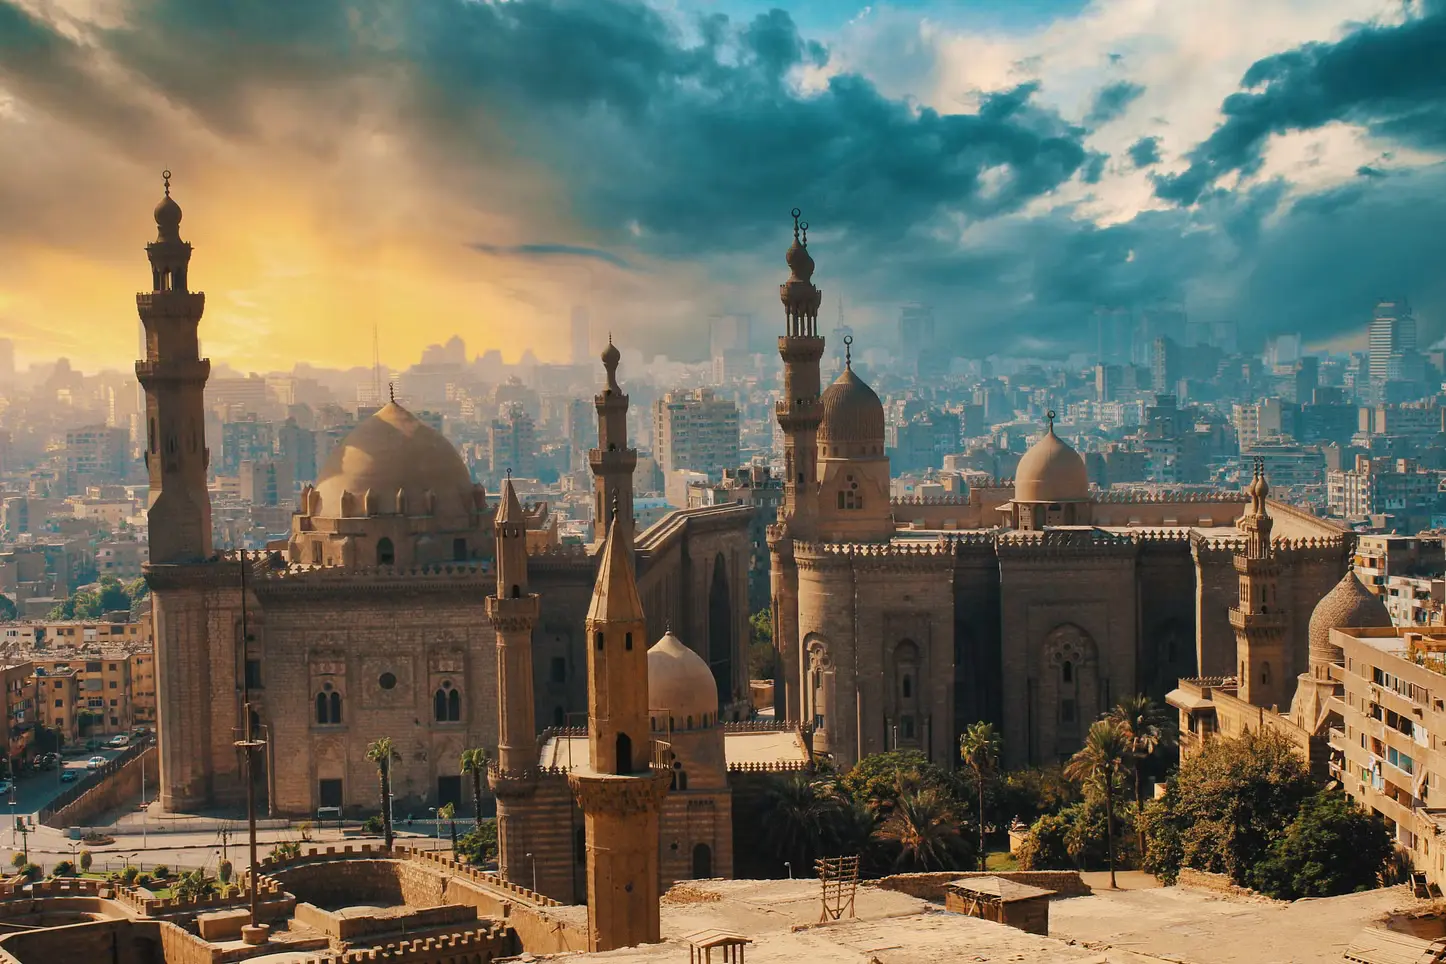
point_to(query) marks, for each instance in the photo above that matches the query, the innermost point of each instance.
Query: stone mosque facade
(372, 618)
(1035, 605)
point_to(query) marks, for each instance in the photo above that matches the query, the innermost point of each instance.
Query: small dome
(800, 262)
(1350, 605)
(852, 412)
(681, 683)
(392, 453)
(611, 356)
(1051, 471)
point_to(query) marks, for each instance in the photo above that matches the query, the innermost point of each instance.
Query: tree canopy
(1332, 847)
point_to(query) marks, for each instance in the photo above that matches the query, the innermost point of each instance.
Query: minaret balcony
(800, 348)
(514, 614)
(149, 371)
(622, 460)
(172, 304)
(1263, 622)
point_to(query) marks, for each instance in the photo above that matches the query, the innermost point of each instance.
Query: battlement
(934, 500)
(1072, 540)
(456, 868)
(1138, 497)
(764, 726)
(1305, 545)
(480, 944)
(297, 573)
(776, 766)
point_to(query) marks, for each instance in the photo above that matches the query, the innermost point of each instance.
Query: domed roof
(1051, 471)
(852, 412)
(395, 451)
(1350, 605)
(680, 682)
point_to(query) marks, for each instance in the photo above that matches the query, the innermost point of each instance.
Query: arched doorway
(702, 861)
(720, 630)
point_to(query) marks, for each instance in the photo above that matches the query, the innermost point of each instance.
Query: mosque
(371, 619)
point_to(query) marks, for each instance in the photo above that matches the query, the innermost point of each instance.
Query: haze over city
(479, 167)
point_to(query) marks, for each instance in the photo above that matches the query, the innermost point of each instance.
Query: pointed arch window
(386, 552)
(328, 706)
(447, 703)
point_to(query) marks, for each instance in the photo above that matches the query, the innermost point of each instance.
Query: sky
(478, 167)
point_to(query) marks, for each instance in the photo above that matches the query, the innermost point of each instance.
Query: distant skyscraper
(1392, 334)
(581, 333)
(7, 361)
(916, 337)
(729, 334)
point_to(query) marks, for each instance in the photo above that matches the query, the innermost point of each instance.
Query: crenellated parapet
(917, 556)
(1168, 497)
(1072, 543)
(946, 500)
(621, 795)
(775, 766)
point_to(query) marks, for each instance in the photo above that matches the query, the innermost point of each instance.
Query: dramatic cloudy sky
(479, 166)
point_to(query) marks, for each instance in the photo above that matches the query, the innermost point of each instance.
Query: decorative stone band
(514, 615)
(620, 796)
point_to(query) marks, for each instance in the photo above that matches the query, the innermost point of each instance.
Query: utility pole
(255, 932)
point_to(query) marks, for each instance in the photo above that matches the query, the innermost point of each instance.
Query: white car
(95, 763)
(121, 740)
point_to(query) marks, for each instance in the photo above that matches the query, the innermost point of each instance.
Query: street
(35, 789)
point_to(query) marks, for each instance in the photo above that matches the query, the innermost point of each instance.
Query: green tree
(8, 612)
(1226, 806)
(1031, 793)
(193, 885)
(878, 779)
(796, 816)
(979, 750)
(86, 859)
(479, 845)
(223, 871)
(383, 753)
(1332, 847)
(852, 827)
(761, 656)
(112, 596)
(923, 828)
(1146, 725)
(474, 763)
(1097, 765)
(448, 812)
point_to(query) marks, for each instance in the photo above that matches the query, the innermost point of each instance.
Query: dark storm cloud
(1113, 100)
(1144, 152)
(548, 251)
(1391, 79)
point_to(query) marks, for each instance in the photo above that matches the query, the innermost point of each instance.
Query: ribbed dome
(1350, 605)
(1051, 471)
(852, 413)
(681, 683)
(395, 451)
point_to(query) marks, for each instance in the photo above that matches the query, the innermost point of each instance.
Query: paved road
(36, 789)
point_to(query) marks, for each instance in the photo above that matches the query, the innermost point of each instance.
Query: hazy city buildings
(695, 431)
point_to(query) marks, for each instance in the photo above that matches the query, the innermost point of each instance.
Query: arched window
(624, 754)
(908, 687)
(688, 723)
(447, 703)
(850, 497)
(1265, 672)
(1066, 671)
(703, 862)
(628, 641)
(599, 639)
(328, 706)
(516, 592)
(386, 554)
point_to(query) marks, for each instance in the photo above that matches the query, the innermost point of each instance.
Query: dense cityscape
(1055, 572)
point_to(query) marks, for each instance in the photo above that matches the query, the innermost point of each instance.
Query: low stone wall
(350, 928)
(113, 790)
(1064, 883)
(474, 947)
(111, 941)
(1217, 883)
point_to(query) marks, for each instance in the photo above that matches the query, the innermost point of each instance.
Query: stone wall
(352, 928)
(344, 883)
(1215, 883)
(112, 941)
(112, 791)
(1064, 883)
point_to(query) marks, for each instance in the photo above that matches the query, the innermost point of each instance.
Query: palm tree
(382, 752)
(979, 749)
(1146, 726)
(448, 812)
(926, 828)
(475, 762)
(1099, 761)
(796, 816)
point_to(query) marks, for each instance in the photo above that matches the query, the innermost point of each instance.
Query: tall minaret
(621, 791)
(174, 374)
(798, 410)
(513, 612)
(613, 463)
(1259, 618)
(799, 414)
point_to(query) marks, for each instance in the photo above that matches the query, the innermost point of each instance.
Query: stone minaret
(613, 463)
(513, 612)
(799, 414)
(1259, 618)
(174, 374)
(620, 792)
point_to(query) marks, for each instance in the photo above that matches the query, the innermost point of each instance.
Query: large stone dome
(1051, 471)
(682, 684)
(1350, 605)
(392, 452)
(852, 413)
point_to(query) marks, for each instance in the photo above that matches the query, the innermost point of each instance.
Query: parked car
(118, 740)
(95, 763)
(69, 776)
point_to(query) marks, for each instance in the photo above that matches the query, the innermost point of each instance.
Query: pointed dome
(1350, 605)
(615, 594)
(1051, 471)
(852, 412)
(680, 682)
(395, 452)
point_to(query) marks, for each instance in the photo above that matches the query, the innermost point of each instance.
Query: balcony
(1336, 738)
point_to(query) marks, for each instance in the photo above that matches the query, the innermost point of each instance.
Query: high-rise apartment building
(697, 431)
(1392, 336)
(95, 455)
(512, 443)
(916, 337)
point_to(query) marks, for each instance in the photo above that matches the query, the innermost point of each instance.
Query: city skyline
(406, 169)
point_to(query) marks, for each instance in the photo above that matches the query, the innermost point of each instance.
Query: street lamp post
(534, 872)
(788, 864)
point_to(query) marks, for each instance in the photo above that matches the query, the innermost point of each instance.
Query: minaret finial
(166, 176)
(796, 215)
(849, 352)
(615, 507)
(1049, 418)
(509, 473)
(392, 391)
(803, 226)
